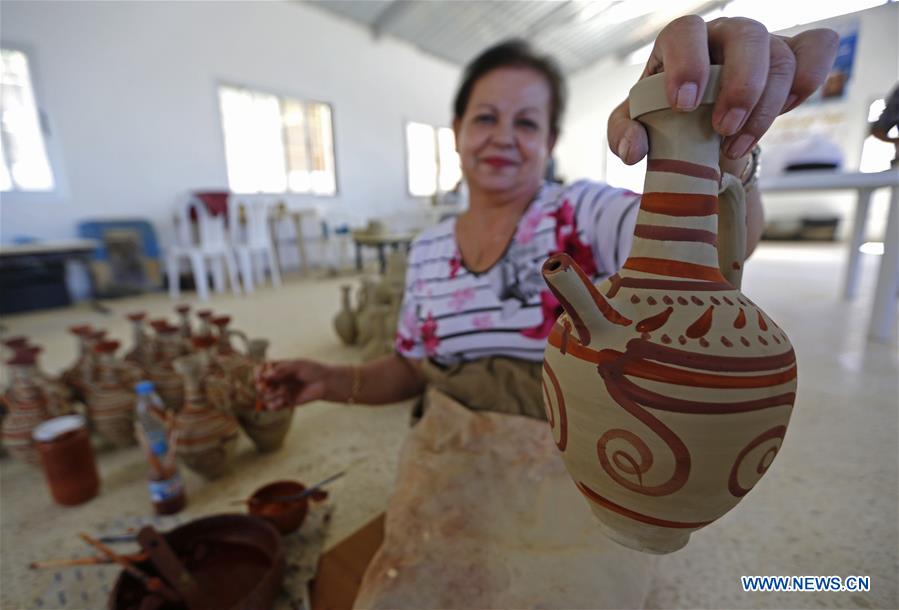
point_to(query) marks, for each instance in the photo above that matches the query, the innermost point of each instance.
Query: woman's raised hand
(285, 383)
(763, 76)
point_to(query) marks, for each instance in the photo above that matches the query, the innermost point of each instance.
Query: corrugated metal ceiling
(578, 33)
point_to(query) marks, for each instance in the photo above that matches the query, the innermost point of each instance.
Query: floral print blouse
(450, 314)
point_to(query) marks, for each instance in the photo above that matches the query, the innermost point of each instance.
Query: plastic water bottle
(166, 488)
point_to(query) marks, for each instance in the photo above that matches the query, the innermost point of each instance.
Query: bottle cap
(144, 387)
(160, 447)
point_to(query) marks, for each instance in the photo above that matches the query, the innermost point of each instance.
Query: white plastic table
(885, 295)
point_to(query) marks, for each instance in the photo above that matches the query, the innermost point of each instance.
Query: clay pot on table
(81, 372)
(141, 352)
(366, 316)
(668, 391)
(267, 429)
(237, 562)
(169, 383)
(184, 327)
(287, 516)
(205, 316)
(110, 397)
(27, 405)
(206, 436)
(345, 320)
(59, 394)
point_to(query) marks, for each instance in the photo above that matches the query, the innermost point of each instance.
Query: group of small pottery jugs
(371, 324)
(205, 382)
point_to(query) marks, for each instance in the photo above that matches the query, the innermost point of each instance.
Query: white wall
(583, 149)
(129, 91)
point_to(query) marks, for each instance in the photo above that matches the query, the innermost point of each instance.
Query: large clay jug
(668, 390)
(206, 436)
(345, 320)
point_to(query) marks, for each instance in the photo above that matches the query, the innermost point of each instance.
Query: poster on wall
(837, 83)
(816, 135)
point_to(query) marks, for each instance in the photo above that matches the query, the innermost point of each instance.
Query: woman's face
(504, 137)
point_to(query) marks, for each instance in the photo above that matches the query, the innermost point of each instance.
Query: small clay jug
(667, 389)
(345, 320)
(59, 394)
(141, 352)
(81, 372)
(27, 405)
(380, 342)
(183, 312)
(206, 437)
(365, 317)
(169, 383)
(110, 399)
(205, 316)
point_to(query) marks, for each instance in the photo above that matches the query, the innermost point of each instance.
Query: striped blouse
(450, 314)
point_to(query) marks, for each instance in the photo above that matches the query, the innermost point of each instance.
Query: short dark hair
(514, 53)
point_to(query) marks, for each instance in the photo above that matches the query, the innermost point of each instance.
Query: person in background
(887, 121)
(476, 312)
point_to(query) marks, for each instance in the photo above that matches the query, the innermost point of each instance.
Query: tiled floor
(828, 506)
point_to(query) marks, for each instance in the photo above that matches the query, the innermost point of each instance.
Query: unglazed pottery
(81, 372)
(183, 312)
(27, 406)
(110, 397)
(206, 436)
(265, 428)
(345, 320)
(168, 346)
(668, 391)
(235, 366)
(141, 352)
(59, 394)
(365, 322)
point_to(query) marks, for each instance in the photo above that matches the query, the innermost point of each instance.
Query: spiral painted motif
(553, 405)
(775, 434)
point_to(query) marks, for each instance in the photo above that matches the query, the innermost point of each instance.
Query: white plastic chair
(252, 241)
(210, 246)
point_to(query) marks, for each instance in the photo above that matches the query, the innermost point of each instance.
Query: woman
(476, 312)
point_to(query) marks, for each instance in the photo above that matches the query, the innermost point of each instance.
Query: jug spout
(590, 312)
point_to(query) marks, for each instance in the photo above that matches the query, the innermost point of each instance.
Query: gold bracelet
(357, 385)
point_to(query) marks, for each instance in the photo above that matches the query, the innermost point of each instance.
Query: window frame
(279, 93)
(52, 142)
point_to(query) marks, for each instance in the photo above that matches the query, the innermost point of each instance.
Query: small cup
(286, 516)
(67, 457)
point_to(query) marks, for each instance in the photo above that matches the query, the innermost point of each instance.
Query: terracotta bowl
(238, 562)
(286, 516)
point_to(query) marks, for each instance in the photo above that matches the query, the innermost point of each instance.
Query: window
(277, 144)
(432, 159)
(24, 165)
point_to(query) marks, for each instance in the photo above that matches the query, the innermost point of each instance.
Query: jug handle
(731, 229)
(243, 338)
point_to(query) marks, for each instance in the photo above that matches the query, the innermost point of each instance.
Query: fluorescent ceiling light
(872, 247)
(778, 15)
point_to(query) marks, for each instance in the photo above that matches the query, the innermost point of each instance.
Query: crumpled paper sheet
(484, 515)
(88, 587)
